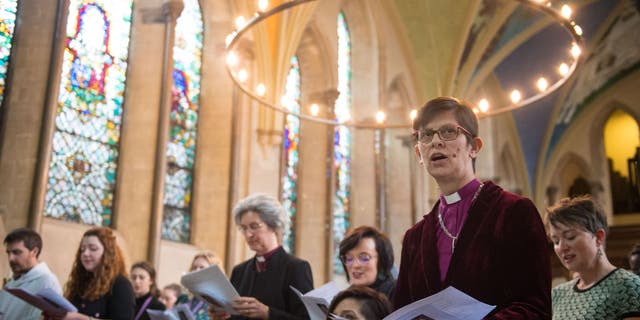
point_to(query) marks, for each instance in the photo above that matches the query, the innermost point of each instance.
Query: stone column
(171, 10)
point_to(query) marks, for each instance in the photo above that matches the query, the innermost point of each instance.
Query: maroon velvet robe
(501, 258)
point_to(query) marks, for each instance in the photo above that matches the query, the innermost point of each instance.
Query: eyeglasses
(446, 133)
(253, 227)
(363, 258)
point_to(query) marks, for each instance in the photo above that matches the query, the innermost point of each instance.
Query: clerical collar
(463, 193)
(261, 261)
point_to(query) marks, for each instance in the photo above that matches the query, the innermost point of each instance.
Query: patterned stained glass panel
(291, 140)
(181, 148)
(342, 143)
(8, 10)
(82, 171)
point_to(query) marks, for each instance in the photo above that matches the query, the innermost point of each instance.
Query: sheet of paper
(46, 300)
(179, 312)
(212, 286)
(317, 301)
(448, 304)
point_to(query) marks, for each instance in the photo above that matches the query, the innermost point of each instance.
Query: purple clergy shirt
(454, 209)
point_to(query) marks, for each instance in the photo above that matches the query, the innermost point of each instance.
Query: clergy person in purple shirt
(479, 238)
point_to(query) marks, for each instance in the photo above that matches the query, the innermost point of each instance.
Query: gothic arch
(571, 166)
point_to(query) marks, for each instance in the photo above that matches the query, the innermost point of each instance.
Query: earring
(599, 253)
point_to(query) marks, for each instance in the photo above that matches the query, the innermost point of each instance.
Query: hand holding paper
(213, 287)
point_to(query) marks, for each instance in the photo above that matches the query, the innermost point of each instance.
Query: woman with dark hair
(360, 303)
(367, 259)
(578, 229)
(98, 284)
(143, 279)
(264, 282)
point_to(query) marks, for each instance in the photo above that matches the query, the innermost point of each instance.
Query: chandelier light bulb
(516, 96)
(575, 50)
(563, 69)
(263, 4)
(413, 114)
(232, 59)
(483, 105)
(261, 90)
(542, 84)
(565, 11)
(577, 29)
(240, 22)
(314, 109)
(243, 75)
(476, 111)
(380, 116)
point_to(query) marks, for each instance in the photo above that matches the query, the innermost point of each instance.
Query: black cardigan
(154, 304)
(117, 304)
(271, 287)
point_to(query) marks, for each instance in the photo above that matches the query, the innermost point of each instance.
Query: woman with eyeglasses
(264, 282)
(483, 240)
(367, 259)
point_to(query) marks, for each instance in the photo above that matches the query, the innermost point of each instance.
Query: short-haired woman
(367, 258)
(578, 229)
(264, 281)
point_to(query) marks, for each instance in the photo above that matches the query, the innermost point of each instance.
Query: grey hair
(267, 207)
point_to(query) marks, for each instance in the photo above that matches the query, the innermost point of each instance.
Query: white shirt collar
(452, 198)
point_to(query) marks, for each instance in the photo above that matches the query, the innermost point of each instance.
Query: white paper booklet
(317, 301)
(448, 304)
(46, 300)
(179, 312)
(211, 286)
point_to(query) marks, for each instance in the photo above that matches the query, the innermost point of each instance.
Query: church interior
(154, 117)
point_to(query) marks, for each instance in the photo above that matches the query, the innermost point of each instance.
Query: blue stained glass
(181, 148)
(342, 143)
(8, 10)
(82, 171)
(289, 194)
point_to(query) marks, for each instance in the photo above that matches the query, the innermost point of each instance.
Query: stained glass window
(289, 194)
(181, 148)
(342, 142)
(8, 10)
(82, 171)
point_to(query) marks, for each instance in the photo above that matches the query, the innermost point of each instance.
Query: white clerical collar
(452, 198)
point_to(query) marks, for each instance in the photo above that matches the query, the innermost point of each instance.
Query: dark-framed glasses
(363, 258)
(252, 227)
(446, 133)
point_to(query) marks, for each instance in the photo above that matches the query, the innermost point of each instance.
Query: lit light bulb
(263, 4)
(476, 111)
(563, 69)
(232, 59)
(577, 29)
(240, 22)
(243, 75)
(413, 114)
(542, 84)
(565, 11)
(515, 96)
(314, 109)
(261, 90)
(483, 105)
(575, 50)
(380, 116)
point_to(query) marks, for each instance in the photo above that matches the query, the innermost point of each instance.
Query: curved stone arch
(398, 100)
(569, 168)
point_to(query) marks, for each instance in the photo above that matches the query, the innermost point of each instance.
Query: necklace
(444, 227)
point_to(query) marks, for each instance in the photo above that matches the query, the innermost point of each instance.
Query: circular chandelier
(561, 15)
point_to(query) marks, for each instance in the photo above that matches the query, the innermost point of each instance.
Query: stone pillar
(171, 10)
